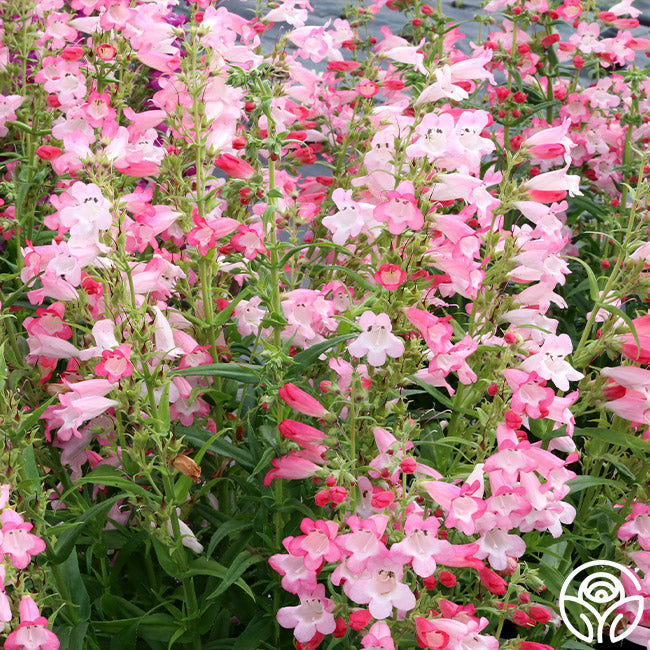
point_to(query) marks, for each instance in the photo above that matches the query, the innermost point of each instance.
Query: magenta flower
(31, 633)
(16, 541)
(376, 341)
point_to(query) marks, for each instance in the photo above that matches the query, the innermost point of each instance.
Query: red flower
(48, 152)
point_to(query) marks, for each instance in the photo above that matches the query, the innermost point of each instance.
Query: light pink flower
(314, 614)
(376, 341)
(16, 541)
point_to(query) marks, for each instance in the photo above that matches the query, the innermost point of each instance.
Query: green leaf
(235, 570)
(616, 438)
(226, 529)
(66, 541)
(197, 437)
(258, 628)
(245, 373)
(204, 567)
(584, 482)
(76, 588)
(305, 358)
(112, 477)
(594, 291)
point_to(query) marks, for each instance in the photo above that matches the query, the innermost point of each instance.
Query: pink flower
(376, 341)
(390, 276)
(421, 544)
(115, 364)
(364, 542)
(637, 524)
(378, 638)
(383, 589)
(437, 332)
(313, 615)
(400, 211)
(31, 633)
(429, 635)
(296, 577)
(302, 402)
(234, 166)
(249, 240)
(16, 541)
(292, 466)
(317, 545)
(301, 433)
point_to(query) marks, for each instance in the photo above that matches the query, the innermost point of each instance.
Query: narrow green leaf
(584, 482)
(243, 372)
(305, 358)
(235, 571)
(112, 477)
(614, 437)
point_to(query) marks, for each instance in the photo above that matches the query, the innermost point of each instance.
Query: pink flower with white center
(510, 460)
(469, 142)
(58, 31)
(549, 363)
(529, 394)
(249, 316)
(115, 364)
(637, 524)
(249, 240)
(497, 545)
(378, 638)
(462, 508)
(98, 111)
(390, 276)
(421, 544)
(383, 589)
(376, 341)
(400, 211)
(313, 615)
(350, 219)
(8, 106)
(296, 577)
(317, 545)
(16, 541)
(31, 633)
(364, 542)
(437, 137)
